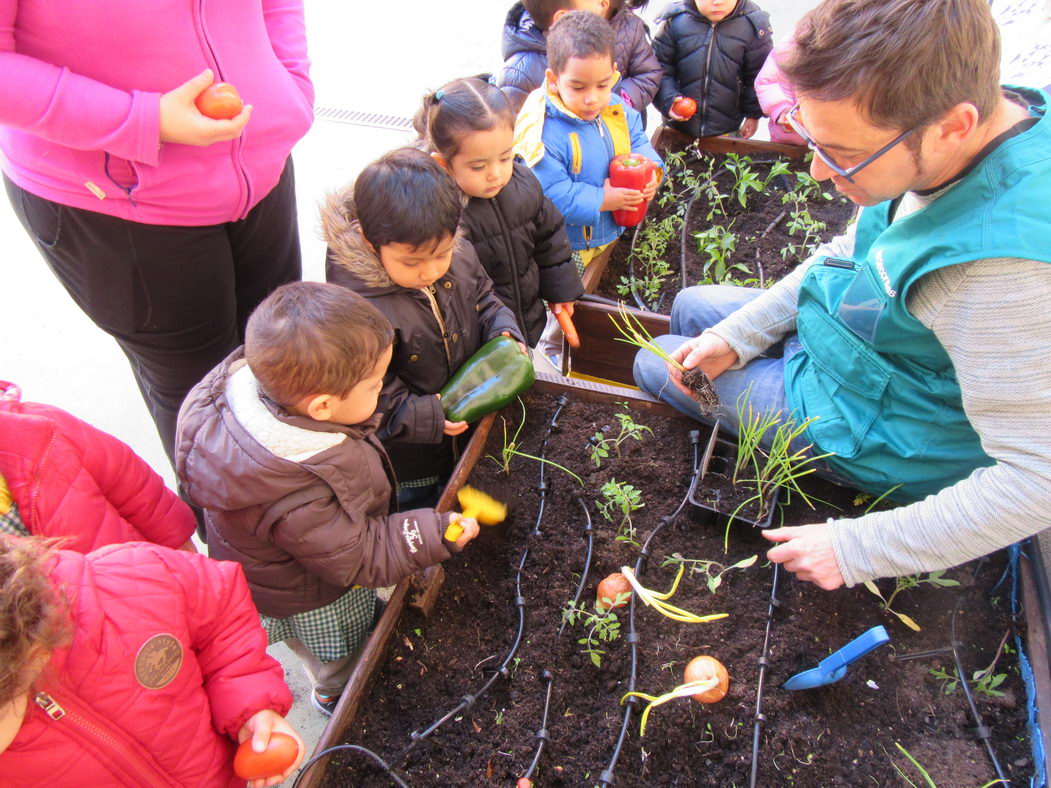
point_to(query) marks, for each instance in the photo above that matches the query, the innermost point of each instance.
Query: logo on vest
(410, 531)
(158, 661)
(884, 277)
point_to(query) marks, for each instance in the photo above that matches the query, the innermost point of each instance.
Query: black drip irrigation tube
(350, 748)
(764, 664)
(607, 776)
(467, 701)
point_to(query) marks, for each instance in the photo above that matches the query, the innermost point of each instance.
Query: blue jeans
(696, 309)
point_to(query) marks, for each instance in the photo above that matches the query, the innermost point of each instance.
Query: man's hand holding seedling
(709, 351)
(806, 550)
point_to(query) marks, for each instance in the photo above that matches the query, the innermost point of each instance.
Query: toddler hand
(259, 727)
(454, 427)
(181, 121)
(748, 127)
(615, 198)
(523, 348)
(470, 530)
(651, 188)
(672, 114)
(566, 307)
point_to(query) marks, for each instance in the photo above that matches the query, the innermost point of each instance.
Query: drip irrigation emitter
(504, 671)
(631, 702)
(764, 664)
(541, 735)
(350, 748)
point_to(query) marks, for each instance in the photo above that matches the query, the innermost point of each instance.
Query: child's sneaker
(326, 704)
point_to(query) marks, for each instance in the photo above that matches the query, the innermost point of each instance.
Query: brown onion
(610, 587)
(704, 668)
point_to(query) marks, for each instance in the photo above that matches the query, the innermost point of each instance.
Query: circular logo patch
(158, 661)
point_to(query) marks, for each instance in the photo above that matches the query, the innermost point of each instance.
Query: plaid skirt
(331, 632)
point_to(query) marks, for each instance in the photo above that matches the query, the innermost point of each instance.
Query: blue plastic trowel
(834, 666)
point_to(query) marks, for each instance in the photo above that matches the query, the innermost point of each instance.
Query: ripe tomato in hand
(684, 107)
(220, 101)
(280, 753)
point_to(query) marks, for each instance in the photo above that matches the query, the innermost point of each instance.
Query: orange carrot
(568, 328)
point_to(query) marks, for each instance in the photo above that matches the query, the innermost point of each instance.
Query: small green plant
(767, 469)
(621, 499)
(745, 178)
(510, 449)
(716, 199)
(648, 259)
(602, 626)
(984, 681)
(629, 429)
(718, 244)
(904, 584)
(713, 571)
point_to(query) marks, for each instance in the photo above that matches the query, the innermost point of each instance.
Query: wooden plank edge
(592, 391)
(375, 647)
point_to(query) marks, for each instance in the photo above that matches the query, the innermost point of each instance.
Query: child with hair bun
(518, 233)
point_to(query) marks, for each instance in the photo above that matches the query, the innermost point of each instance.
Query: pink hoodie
(776, 95)
(80, 87)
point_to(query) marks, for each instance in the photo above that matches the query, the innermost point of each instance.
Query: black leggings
(176, 299)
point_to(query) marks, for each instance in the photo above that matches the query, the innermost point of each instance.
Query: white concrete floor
(367, 56)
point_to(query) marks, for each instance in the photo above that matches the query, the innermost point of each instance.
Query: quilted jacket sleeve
(345, 547)
(238, 675)
(114, 496)
(559, 279)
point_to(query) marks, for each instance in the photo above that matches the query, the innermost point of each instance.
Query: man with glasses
(918, 341)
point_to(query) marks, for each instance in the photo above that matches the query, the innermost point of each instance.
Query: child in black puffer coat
(711, 51)
(518, 233)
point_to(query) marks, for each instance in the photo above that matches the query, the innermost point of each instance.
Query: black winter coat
(521, 241)
(426, 353)
(714, 64)
(525, 58)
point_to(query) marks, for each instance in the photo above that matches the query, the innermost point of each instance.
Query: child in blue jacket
(571, 128)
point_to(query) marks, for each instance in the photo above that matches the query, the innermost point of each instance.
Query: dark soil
(701, 389)
(842, 735)
(761, 230)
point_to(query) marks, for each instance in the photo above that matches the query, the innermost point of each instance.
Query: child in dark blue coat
(711, 51)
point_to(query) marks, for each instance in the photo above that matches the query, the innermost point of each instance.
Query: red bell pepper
(630, 171)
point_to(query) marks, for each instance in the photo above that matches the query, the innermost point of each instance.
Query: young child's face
(715, 10)
(417, 266)
(482, 166)
(360, 403)
(585, 85)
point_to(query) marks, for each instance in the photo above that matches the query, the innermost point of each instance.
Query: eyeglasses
(848, 172)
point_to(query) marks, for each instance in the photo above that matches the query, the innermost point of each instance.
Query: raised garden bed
(526, 571)
(698, 231)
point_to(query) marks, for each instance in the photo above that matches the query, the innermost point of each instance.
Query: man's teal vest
(882, 388)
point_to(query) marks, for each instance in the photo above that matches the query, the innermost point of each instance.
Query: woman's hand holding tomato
(263, 754)
(181, 121)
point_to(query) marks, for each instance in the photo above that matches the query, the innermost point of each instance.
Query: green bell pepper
(491, 378)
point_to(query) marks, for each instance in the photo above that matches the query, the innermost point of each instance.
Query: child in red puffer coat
(134, 665)
(61, 477)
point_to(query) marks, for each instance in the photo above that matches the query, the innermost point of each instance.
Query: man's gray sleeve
(990, 316)
(765, 321)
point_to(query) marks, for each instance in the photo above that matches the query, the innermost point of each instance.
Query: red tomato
(701, 668)
(280, 753)
(612, 587)
(220, 101)
(684, 107)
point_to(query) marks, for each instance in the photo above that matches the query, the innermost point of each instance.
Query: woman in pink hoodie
(776, 96)
(165, 226)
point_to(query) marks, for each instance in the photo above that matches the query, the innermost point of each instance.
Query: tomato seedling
(219, 101)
